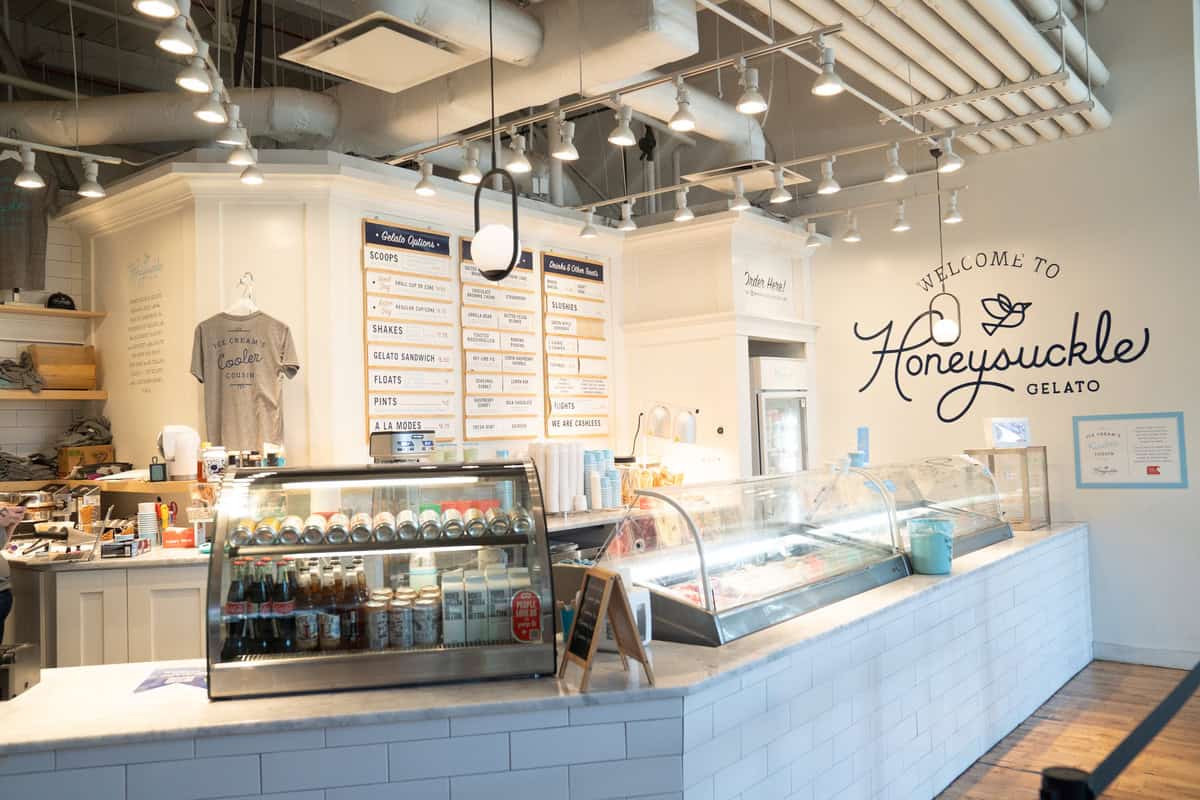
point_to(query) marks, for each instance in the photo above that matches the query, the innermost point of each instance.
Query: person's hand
(10, 517)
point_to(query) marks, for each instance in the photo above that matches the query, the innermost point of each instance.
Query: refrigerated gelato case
(392, 574)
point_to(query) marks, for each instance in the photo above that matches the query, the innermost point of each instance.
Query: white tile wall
(893, 707)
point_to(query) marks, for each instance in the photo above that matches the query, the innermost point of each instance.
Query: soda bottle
(331, 620)
(283, 609)
(352, 615)
(259, 611)
(308, 615)
(234, 614)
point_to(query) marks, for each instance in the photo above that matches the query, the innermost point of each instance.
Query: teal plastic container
(931, 545)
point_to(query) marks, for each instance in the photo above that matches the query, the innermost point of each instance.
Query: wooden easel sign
(603, 597)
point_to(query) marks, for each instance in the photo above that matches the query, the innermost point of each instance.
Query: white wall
(1117, 211)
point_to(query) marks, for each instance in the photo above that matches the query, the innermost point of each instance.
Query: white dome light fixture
(901, 224)
(851, 236)
(894, 172)
(953, 215)
(751, 100)
(682, 212)
(950, 161)
(194, 77)
(627, 223)
(91, 184)
(29, 179)
(425, 187)
(212, 110)
(588, 231)
(780, 194)
(944, 327)
(829, 184)
(176, 38)
(157, 9)
(682, 120)
(233, 134)
(565, 150)
(518, 162)
(492, 250)
(622, 134)
(828, 83)
(739, 201)
(470, 172)
(240, 157)
(252, 175)
(814, 240)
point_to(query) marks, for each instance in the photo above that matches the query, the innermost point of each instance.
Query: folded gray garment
(21, 374)
(85, 432)
(17, 468)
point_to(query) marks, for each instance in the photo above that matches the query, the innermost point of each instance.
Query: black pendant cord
(492, 80)
(937, 176)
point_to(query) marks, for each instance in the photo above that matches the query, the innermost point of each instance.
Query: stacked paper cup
(147, 521)
(560, 467)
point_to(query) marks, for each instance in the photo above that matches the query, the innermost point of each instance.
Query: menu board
(501, 352)
(575, 326)
(410, 331)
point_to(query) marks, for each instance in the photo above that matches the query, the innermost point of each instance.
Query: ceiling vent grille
(756, 176)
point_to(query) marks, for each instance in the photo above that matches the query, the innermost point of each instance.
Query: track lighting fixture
(781, 194)
(425, 187)
(828, 184)
(158, 9)
(588, 231)
(950, 160)
(622, 134)
(240, 157)
(194, 77)
(91, 185)
(682, 212)
(813, 241)
(627, 223)
(894, 172)
(682, 120)
(851, 236)
(470, 172)
(252, 175)
(29, 179)
(565, 150)
(212, 110)
(176, 38)
(518, 162)
(953, 215)
(828, 83)
(233, 134)
(739, 201)
(751, 100)
(901, 224)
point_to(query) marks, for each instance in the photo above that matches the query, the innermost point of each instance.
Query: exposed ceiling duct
(1082, 57)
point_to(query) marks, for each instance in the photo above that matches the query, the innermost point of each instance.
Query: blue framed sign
(1130, 451)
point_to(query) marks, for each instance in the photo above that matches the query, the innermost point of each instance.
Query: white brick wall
(835, 718)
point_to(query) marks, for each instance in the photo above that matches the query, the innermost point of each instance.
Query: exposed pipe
(1019, 31)
(37, 87)
(1081, 55)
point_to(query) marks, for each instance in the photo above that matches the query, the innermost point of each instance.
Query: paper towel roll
(550, 480)
(596, 489)
(565, 495)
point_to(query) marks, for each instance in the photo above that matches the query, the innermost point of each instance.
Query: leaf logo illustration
(1004, 311)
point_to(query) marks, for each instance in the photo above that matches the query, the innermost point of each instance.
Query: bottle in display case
(387, 575)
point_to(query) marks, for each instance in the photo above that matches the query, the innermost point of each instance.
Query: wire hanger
(244, 305)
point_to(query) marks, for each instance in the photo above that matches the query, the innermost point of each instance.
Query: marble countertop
(583, 519)
(157, 557)
(85, 706)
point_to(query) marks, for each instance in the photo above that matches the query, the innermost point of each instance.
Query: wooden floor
(1080, 725)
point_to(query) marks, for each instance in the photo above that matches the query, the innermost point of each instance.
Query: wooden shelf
(139, 487)
(39, 311)
(25, 396)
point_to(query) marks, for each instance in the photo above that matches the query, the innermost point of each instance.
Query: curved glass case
(390, 574)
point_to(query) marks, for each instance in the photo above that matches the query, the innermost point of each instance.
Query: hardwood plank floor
(1080, 725)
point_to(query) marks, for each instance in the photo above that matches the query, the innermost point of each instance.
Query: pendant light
(565, 150)
(953, 215)
(252, 175)
(781, 194)
(518, 162)
(233, 134)
(682, 212)
(751, 100)
(29, 179)
(425, 187)
(945, 315)
(158, 9)
(901, 224)
(851, 236)
(814, 240)
(496, 247)
(828, 83)
(829, 184)
(588, 231)
(739, 201)
(194, 77)
(682, 120)
(91, 184)
(470, 172)
(240, 157)
(622, 134)
(176, 38)
(894, 172)
(212, 110)
(951, 161)
(627, 223)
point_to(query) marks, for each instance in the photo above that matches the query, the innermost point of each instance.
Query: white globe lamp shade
(492, 249)
(945, 331)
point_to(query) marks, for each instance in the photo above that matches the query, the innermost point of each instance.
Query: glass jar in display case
(724, 560)
(346, 578)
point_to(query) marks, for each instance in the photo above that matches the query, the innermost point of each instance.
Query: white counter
(156, 557)
(899, 688)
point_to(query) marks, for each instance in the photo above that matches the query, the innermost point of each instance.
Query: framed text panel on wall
(501, 352)
(577, 365)
(410, 330)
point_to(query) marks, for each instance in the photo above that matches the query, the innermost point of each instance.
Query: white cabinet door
(91, 617)
(166, 613)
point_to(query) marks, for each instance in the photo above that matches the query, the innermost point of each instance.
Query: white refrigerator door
(782, 428)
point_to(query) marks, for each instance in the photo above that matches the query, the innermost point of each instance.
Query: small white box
(499, 598)
(478, 626)
(454, 608)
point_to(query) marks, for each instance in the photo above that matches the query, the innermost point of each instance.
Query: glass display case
(346, 578)
(957, 488)
(725, 560)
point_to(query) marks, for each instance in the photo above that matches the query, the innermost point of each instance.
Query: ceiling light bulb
(945, 331)
(828, 83)
(851, 236)
(29, 179)
(894, 172)
(813, 241)
(627, 223)
(470, 172)
(683, 120)
(588, 231)
(953, 215)
(781, 194)
(158, 9)
(951, 161)
(240, 157)
(212, 110)
(622, 134)
(901, 224)
(751, 101)
(425, 187)
(739, 201)
(194, 77)
(682, 212)
(252, 176)
(518, 162)
(829, 184)
(176, 38)
(233, 134)
(91, 185)
(566, 150)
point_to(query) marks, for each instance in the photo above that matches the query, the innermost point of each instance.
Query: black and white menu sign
(576, 347)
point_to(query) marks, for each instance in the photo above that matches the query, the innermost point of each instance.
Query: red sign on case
(526, 616)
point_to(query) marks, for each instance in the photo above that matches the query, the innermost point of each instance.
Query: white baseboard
(1178, 659)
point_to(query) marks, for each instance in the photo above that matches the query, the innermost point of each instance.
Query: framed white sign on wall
(1130, 451)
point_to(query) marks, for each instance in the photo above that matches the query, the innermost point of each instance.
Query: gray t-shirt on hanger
(242, 362)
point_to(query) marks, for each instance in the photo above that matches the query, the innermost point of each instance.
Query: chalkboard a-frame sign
(603, 596)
